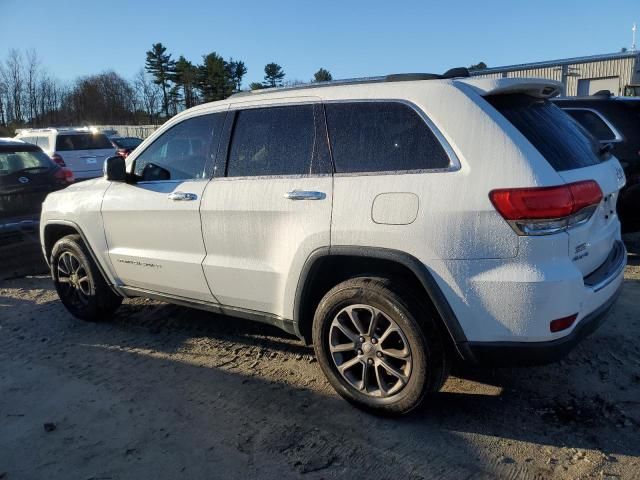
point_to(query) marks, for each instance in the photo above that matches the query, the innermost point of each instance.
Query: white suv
(395, 223)
(82, 149)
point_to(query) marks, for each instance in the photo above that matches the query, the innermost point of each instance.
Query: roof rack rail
(395, 77)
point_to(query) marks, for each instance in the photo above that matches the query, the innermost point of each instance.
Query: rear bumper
(509, 354)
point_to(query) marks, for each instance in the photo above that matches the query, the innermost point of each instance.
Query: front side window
(272, 141)
(593, 123)
(182, 152)
(381, 137)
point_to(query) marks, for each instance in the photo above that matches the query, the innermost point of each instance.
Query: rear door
(84, 152)
(271, 209)
(152, 227)
(577, 156)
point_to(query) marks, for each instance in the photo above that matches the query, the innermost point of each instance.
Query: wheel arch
(327, 266)
(54, 230)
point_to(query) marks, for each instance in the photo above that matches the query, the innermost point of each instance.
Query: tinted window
(593, 123)
(272, 141)
(381, 136)
(564, 143)
(14, 160)
(127, 142)
(183, 150)
(82, 141)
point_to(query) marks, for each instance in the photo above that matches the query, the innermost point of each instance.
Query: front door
(152, 226)
(272, 209)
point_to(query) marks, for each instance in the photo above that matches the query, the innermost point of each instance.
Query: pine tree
(213, 78)
(236, 70)
(160, 65)
(273, 75)
(185, 77)
(322, 75)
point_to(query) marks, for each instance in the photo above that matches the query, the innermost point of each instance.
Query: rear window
(22, 160)
(593, 122)
(563, 142)
(381, 137)
(82, 141)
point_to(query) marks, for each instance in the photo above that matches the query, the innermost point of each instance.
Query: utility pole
(633, 41)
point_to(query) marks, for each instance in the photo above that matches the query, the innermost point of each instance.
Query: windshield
(17, 160)
(562, 142)
(82, 141)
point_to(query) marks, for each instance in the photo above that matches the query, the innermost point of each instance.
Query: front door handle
(182, 196)
(305, 195)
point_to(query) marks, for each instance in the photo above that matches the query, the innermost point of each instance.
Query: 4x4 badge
(620, 174)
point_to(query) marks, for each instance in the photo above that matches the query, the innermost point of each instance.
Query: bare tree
(3, 94)
(32, 71)
(14, 80)
(148, 94)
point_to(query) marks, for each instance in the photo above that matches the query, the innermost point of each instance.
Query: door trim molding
(253, 315)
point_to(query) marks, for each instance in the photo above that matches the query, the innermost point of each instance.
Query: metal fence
(140, 131)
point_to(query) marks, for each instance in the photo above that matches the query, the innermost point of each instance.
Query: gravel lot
(168, 392)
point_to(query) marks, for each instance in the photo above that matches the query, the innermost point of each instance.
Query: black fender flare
(418, 268)
(76, 227)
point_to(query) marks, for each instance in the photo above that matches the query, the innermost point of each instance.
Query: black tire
(396, 303)
(92, 299)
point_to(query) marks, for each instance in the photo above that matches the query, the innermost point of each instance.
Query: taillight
(547, 210)
(64, 175)
(58, 159)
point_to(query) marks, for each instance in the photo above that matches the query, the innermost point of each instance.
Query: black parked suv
(614, 121)
(27, 176)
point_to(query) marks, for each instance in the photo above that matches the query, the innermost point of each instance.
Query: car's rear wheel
(79, 283)
(379, 345)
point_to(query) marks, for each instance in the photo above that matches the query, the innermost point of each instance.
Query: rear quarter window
(381, 137)
(559, 139)
(82, 141)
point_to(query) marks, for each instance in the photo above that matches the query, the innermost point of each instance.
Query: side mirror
(115, 169)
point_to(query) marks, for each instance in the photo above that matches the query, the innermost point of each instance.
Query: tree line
(31, 96)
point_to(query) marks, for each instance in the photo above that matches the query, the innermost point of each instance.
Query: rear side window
(381, 137)
(593, 123)
(559, 139)
(82, 141)
(272, 141)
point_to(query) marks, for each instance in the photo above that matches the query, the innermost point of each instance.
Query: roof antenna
(633, 42)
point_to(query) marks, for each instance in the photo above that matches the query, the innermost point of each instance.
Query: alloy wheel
(73, 277)
(370, 350)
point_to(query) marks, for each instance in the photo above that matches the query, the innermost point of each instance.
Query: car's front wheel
(379, 345)
(79, 283)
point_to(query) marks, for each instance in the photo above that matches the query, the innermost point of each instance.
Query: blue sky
(350, 38)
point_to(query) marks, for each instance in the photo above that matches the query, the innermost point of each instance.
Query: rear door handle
(182, 196)
(305, 195)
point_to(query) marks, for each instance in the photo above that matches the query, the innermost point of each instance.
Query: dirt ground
(165, 392)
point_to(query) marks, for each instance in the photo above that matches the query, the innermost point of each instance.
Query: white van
(82, 150)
